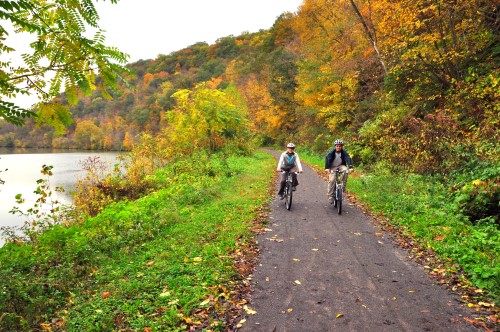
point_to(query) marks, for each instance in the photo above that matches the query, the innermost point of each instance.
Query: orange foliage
(148, 78)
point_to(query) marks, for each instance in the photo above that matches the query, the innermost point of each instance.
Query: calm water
(23, 170)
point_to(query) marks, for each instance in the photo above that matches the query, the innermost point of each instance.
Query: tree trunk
(370, 35)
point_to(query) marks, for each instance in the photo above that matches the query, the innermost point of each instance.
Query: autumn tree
(62, 57)
(205, 118)
(442, 83)
(88, 135)
(336, 66)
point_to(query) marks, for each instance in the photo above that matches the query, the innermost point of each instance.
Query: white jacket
(297, 163)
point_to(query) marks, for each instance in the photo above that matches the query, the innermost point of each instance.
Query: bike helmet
(338, 142)
(291, 146)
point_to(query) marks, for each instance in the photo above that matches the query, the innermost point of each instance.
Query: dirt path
(319, 271)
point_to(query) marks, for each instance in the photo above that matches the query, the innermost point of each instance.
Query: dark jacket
(346, 159)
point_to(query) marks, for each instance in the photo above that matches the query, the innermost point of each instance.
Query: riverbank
(21, 169)
(169, 259)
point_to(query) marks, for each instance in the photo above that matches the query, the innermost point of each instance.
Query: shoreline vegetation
(178, 257)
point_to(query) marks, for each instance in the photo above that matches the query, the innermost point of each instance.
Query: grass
(162, 263)
(419, 211)
(170, 261)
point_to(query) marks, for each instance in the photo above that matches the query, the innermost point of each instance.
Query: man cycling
(337, 158)
(289, 161)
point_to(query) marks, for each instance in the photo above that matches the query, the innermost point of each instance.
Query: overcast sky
(143, 29)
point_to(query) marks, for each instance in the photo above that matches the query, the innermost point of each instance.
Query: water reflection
(23, 170)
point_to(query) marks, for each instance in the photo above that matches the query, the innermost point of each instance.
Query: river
(20, 169)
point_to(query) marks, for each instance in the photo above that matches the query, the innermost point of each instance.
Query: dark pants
(295, 182)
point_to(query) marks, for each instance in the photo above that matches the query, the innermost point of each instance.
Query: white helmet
(291, 146)
(338, 142)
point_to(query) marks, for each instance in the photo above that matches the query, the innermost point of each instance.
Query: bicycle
(338, 193)
(288, 191)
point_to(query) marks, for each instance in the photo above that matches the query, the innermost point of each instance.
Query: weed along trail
(321, 271)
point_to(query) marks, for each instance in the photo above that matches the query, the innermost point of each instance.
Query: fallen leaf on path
(297, 282)
(411, 291)
(379, 234)
(267, 278)
(296, 260)
(275, 240)
(268, 230)
(207, 301)
(249, 311)
(241, 322)
(357, 234)
(484, 304)
(315, 249)
(339, 315)
(289, 309)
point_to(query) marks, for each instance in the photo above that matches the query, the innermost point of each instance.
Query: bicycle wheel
(339, 200)
(288, 195)
(334, 196)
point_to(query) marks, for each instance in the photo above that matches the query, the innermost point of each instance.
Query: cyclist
(337, 158)
(289, 161)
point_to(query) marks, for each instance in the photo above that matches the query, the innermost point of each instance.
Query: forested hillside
(409, 85)
(412, 81)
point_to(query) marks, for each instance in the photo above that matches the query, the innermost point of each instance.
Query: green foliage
(476, 191)
(60, 49)
(163, 260)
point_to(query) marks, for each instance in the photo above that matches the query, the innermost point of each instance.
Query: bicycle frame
(288, 191)
(339, 189)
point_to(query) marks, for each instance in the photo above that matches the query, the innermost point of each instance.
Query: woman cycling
(289, 161)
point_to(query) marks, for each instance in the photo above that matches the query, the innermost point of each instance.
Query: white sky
(144, 29)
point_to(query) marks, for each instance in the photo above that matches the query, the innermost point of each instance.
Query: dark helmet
(338, 142)
(291, 146)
